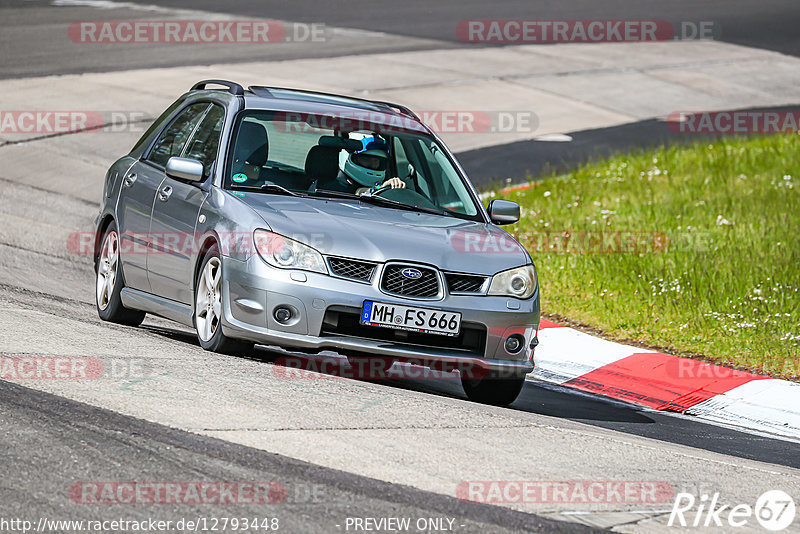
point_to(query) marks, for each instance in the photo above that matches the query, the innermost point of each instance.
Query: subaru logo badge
(413, 274)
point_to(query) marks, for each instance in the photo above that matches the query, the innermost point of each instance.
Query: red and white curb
(486, 195)
(659, 381)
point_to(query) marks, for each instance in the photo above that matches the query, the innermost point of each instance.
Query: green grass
(726, 288)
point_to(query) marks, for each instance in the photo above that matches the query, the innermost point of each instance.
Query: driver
(365, 170)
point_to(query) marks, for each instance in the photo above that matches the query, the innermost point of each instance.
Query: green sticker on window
(239, 177)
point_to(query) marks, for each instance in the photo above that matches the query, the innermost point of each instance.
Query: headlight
(286, 253)
(520, 282)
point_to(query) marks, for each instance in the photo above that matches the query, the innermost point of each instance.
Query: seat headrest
(252, 145)
(322, 163)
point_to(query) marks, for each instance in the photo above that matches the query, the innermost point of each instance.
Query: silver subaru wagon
(313, 222)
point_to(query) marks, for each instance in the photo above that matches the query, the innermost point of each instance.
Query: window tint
(156, 124)
(171, 141)
(400, 159)
(448, 190)
(306, 153)
(203, 144)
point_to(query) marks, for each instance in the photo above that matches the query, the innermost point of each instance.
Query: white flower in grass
(722, 221)
(605, 214)
(547, 193)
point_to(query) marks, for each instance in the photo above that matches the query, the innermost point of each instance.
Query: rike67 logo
(774, 510)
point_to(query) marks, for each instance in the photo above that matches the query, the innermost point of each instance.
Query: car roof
(314, 102)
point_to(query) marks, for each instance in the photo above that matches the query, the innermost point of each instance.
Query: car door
(175, 214)
(138, 192)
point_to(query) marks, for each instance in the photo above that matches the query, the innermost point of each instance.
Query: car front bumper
(251, 290)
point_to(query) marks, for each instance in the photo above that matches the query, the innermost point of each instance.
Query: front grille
(464, 283)
(394, 281)
(357, 270)
(345, 322)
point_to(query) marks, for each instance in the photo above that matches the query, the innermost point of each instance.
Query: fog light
(514, 343)
(282, 315)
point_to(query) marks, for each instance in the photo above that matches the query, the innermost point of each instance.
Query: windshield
(319, 155)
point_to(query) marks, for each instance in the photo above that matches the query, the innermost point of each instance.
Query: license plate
(410, 318)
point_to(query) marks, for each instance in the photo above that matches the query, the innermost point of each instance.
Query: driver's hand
(394, 183)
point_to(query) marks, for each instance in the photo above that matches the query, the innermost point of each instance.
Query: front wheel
(493, 390)
(208, 308)
(109, 283)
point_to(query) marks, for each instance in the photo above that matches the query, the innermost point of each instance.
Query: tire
(109, 282)
(493, 390)
(207, 314)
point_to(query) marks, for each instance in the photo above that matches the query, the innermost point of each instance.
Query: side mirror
(185, 169)
(503, 211)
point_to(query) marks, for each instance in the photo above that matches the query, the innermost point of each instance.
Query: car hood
(357, 230)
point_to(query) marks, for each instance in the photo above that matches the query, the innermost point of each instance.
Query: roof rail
(263, 88)
(233, 88)
(402, 109)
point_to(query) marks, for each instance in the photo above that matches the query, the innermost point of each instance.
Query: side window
(156, 123)
(400, 159)
(403, 169)
(173, 138)
(203, 144)
(451, 193)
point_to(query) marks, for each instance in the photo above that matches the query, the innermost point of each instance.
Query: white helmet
(368, 165)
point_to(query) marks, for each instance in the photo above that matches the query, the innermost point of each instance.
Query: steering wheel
(381, 189)
(412, 176)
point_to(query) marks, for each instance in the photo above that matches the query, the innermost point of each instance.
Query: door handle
(164, 193)
(129, 180)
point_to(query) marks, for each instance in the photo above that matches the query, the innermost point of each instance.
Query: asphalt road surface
(32, 42)
(54, 442)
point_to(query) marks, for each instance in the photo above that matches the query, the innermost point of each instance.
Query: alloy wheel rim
(208, 304)
(107, 270)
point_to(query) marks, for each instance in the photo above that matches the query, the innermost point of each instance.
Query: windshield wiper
(275, 188)
(270, 188)
(332, 194)
(379, 201)
(402, 205)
